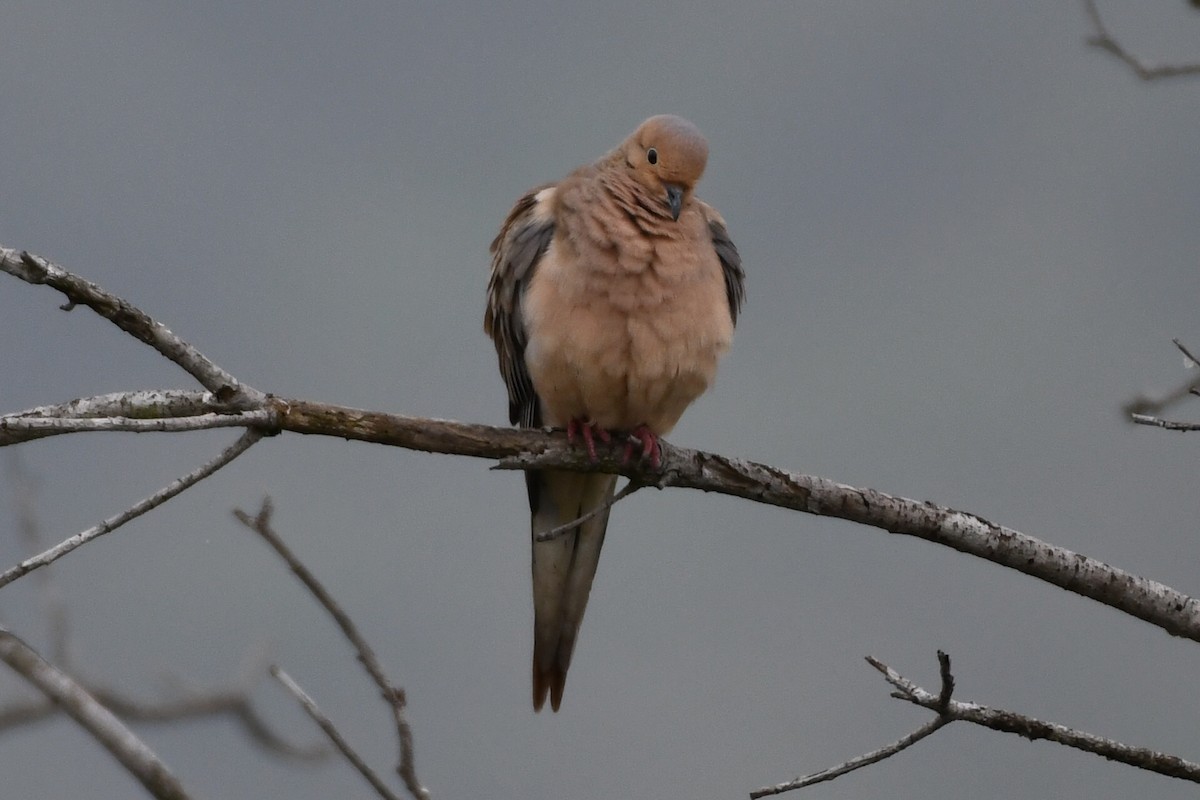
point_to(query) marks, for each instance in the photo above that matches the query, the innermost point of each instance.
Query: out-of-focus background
(968, 239)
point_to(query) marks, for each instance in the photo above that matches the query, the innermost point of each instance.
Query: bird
(611, 297)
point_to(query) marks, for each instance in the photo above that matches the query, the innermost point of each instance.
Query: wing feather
(516, 251)
(731, 260)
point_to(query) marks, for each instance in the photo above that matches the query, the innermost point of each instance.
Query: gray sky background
(968, 238)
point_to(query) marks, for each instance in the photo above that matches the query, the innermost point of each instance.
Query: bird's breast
(625, 333)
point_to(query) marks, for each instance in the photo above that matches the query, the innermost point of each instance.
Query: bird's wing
(516, 250)
(731, 260)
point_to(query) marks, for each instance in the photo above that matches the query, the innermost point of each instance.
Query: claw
(648, 439)
(589, 432)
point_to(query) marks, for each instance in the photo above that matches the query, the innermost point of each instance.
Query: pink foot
(649, 442)
(589, 432)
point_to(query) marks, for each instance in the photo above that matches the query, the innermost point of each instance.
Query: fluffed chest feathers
(629, 341)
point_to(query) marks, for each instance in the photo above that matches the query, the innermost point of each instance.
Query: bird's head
(666, 155)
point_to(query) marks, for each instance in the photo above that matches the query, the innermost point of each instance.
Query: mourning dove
(612, 295)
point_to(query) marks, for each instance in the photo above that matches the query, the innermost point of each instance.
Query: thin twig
(102, 724)
(393, 695)
(1105, 41)
(234, 702)
(554, 533)
(1191, 359)
(143, 404)
(944, 696)
(1165, 424)
(133, 512)
(1034, 729)
(331, 731)
(948, 710)
(37, 270)
(53, 605)
(14, 426)
(888, 751)
(1143, 410)
(865, 760)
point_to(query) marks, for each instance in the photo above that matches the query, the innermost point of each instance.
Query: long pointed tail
(563, 570)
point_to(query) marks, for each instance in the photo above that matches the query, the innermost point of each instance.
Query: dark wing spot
(731, 266)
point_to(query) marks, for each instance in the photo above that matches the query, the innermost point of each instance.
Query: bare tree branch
(1148, 406)
(157, 403)
(335, 736)
(1154, 602)
(392, 695)
(1144, 410)
(54, 607)
(1034, 729)
(133, 512)
(102, 724)
(35, 269)
(15, 426)
(232, 701)
(181, 704)
(865, 760)
(143, 404)
(1145, 599)
(1165, 424)
(949, 710)
(1149, 600)
(1104, 40)
(1191, 362)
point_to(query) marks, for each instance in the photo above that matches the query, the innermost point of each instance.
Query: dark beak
(674, 199)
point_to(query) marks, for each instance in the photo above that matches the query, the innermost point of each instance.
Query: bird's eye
(652, 156)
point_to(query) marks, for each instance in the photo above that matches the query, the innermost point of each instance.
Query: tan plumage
(612, 295)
